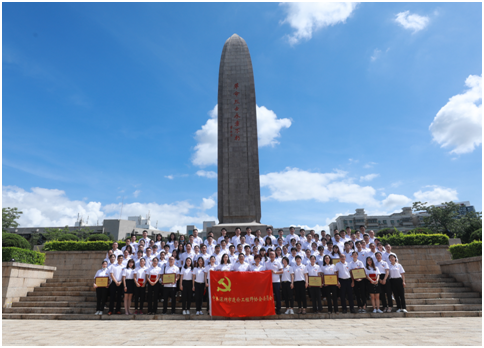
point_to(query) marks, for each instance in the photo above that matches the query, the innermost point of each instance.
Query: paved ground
(354, 332)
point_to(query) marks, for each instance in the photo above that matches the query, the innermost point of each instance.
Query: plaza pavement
(317, 332)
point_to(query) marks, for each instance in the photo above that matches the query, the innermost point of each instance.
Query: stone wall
(422, 259)
(20, 278)
(467, 271)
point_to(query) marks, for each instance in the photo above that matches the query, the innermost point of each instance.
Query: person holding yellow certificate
(315, 291)
(101, 292)
(359, 284)
(330, 291)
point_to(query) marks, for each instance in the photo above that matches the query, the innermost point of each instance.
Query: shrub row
(80, 246)
(460, 251)
(415, 239)
(22, 256)
(14, 240)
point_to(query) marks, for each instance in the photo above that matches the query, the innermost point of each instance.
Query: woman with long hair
(186, 285)
(268, 243)
(128, 282)
(300, 284)
(287, 282)
(152, 277)
(279, 254)
(224, 264)
(199, 284)
(335, 253)
(263, 256)
(159, 239)
(397, 282)
(330, 291)
(181, 248)
(373, 286)
(101, 293)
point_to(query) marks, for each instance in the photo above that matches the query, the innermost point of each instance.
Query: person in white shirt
(116, 286)
(149, 257)
(276, 268)
(307, 259)
(336, 253)
(337, 241)
(330, 291)
(128, 243)
(236, 239)
(287, 283)
(371, 236)
(344, 283)
(156, 252)
(186, 285)
(256, 266)
(140, 286)
(290, 236)
(248, 258)
(199, 283)
(280, 234)
(397, 281)
(249, 237)
(196, 239)
(243, 242)
(256, 247)
(167, 251)
(263, 256)
(300, 284)
(188, 254)
(268, 243)
(128, 282)
(153, 274)
(101, 293)
(171, 241)
(343, 236)
(279, 254)
(108, 256)
(314, 249)
(222, 237)
(271, 237)
(225, 264)
(210, 267)
(233, 257)
(177, 260)
(224, 248)
(159, 241)
(204, 255)
(359, 285)
(210, 244)
(315, 292)
(372, 252)
(145, 238)
(386, 254)
(240, 265)
(317, 241)
(348, 251)
(169, 290)
(307, 244)
(292, 257)
(116, 251)
(372, 275)
(385, 288)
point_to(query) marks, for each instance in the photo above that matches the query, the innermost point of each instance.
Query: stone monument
(238, 152)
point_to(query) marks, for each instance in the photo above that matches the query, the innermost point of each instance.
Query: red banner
(241, 294)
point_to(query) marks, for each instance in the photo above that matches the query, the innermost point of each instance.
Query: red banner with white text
(241, 294)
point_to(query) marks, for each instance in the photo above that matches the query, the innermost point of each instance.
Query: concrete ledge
(464, 260)
(28, 266)
(467, 270)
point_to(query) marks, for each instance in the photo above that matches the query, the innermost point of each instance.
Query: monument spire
(238, 156)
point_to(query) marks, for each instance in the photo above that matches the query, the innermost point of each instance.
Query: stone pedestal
(216, 229)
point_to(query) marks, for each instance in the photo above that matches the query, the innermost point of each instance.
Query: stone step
(412, 275)
(58, 298)
(54, 304)
(177, 316)
(445, 307)
(436, 290)
(68, 280)
(438, 301)
(45, 289)
(62, 293)
(64, 284)
(435, 285)
(431, 295)
(429, 280)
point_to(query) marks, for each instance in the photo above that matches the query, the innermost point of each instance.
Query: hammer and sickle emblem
(226, 287)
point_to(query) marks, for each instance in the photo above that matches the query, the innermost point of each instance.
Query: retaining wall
(467, 271)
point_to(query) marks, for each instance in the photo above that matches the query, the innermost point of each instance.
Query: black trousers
(399, 292)
(331, 293)
(139, 297)
(115, 294)
(207, 297)
(386, 294)
(287, 294)
(346, 292)
(300, 290)
(101, 298)
(276, 288)
(187, 294)
(360, 293)
(199, 289)
(169, 292)
(152, 299)
(315, 293)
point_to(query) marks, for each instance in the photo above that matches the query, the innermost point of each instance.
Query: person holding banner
(330, 291)
(275, 267)
(359, 282)
(240, 265)
(300, 284)
(128, 282)
(140, 286)
(169, 289)
(101, 292)
(372, 275)
(344, 283)
(153, 275)
(314, 273)
(199, 284)
(186, 284)
(210, 267)
(287, 280)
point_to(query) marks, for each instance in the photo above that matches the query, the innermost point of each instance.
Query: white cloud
(369, 177)
(268, 130)
(295, 184)
(383, 194)
(207, 174)
(458, 124)
(411, 21)
(136, 193)
(169, 177)
(394, 201)
(397, 184)
(307, 18)
(369, 165)
(52, 208)
(436, 196)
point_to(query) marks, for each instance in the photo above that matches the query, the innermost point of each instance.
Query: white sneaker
(97, 313)
(379, 311)
(374, 311)
(404, 311)
(288, 311)
(292, 311)
(184, 312)
(399, 310)
(198, 313)
(201, 313)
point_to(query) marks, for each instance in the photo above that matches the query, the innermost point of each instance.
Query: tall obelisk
(238, 153)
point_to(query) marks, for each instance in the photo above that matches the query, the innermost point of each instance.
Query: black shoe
(353, 311)
(164, 313)
(278, 313)
(345, 311)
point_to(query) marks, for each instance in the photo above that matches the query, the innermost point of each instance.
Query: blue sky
(109, 100)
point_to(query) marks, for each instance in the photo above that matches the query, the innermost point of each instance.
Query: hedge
(14, 240)
(387, 231)
(476, 235)
(415, 239)
(421, 230)
(81, 246)
(23, 256)
(68, 236)
(97, 236)
(460, 251)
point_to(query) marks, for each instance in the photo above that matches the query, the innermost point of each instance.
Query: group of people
(142, 269)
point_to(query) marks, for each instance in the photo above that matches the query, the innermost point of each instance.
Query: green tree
(9, 218)
(55, 233)
(469, 223)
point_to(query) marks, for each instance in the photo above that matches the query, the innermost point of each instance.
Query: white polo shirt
(153, 271)
(343, 270)
(354, 265)
(273, 239)
(128, 273)
(362, 256)
(313, 271)
(382, 266)
(299, 272)
(186, 273)
(170, 270)
(186, 255)
(286, 274)
(288, 238)
(117, 272)
(140, 273)
(240, 267)
(103, 273)
(274, 266)
(254, 268)
(396, 270)
(328, 269)
(226, 267)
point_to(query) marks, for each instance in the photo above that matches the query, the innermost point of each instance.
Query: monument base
(254, 226)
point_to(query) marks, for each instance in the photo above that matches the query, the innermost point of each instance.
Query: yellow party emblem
(226, 287)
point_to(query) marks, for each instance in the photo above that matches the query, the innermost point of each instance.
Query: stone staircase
(432, 295)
